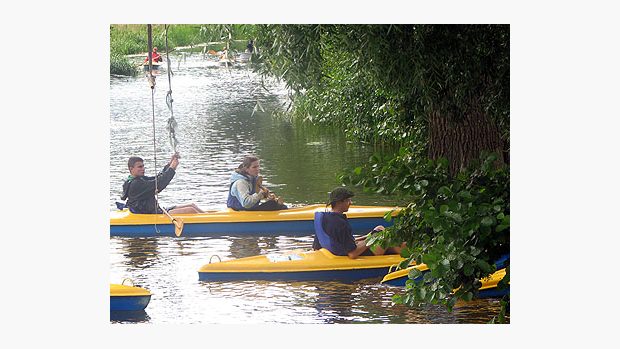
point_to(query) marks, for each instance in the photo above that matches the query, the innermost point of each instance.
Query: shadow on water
(139, 253)
(241, 247)
(129, 316)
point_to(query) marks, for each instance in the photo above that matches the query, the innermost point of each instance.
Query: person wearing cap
(335, 228)
(155, 55)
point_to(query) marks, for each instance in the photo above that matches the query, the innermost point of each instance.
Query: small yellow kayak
(299, 266)
(487, 290)
(128, 298)
(298, 221)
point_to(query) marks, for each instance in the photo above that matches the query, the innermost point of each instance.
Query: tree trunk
(462, 141)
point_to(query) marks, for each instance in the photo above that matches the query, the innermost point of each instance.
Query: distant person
(155, 55)
(245, 195)
(223, 53)
(336, 234)
(250, 47)
(139, 190)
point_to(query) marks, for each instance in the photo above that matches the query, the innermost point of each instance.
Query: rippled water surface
(219, 121)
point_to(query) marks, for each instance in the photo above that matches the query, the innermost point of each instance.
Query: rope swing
(172, 123)
(178, 223)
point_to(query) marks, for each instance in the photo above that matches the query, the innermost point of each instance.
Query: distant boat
(227, 62)
(243, 57)
(156, 66)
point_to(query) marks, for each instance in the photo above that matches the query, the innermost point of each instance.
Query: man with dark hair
(139, 190)
(334, 232)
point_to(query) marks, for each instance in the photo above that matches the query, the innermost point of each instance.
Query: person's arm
(167, 173)
(361, 247)
(343, 235)
(377, 229)
(164, 178)
(243, 194)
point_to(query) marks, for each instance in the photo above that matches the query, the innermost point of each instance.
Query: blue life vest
(324, 239)
(232, 200)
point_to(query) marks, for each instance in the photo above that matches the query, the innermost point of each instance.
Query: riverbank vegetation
(441, 94)
(131, 39)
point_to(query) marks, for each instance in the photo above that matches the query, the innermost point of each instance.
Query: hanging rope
(172, 123)
(177, 222)
(151, 80)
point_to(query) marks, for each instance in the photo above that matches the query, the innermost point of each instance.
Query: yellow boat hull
(297, 221)
(128, 298)
(488, 288)
(299, 266)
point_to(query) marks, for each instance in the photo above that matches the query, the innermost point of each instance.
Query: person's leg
(198, 210)
(189, 208)
(378, 250)
(368, 252)
(269, 206)
(395, 249)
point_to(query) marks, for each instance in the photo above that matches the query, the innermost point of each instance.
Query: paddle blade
(178, 226)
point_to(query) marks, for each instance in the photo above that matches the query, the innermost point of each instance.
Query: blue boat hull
(129, 303)
(493, 292)
(289, 228)
(488, 293)
(322, 275)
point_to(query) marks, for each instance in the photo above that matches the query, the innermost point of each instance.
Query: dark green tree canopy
(439, 92)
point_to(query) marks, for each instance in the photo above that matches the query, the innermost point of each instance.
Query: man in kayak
(244, 194)
(337, 229)
(139, 190)
(155, 55)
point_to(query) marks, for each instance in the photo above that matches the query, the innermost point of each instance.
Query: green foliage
(120, 65)
(132, 39)
(501, 317)
(457, 226)
(380, 82)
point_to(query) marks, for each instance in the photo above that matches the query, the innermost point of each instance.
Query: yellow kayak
(294, 221)
(299, 265)
(488, 288)
(128, 298)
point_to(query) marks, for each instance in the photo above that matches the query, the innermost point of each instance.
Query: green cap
(339, 194)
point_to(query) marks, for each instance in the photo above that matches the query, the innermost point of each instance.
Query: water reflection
(241, 247)
(217, 125)
(123, 317)
(168, 267)
(139, 253)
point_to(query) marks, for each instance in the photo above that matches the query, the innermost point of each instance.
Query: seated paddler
(246, 190)
(139, 190)
(334, 232)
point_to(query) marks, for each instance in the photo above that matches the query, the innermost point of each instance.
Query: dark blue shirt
(340, 232)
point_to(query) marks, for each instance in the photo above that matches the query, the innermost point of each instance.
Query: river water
(222, 115)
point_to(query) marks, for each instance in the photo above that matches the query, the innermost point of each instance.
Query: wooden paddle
(178, 223)
(259, 185)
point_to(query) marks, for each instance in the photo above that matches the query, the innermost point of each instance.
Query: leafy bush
(120, 65)
(454, 225)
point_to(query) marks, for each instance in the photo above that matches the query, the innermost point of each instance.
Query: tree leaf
(487, 221)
